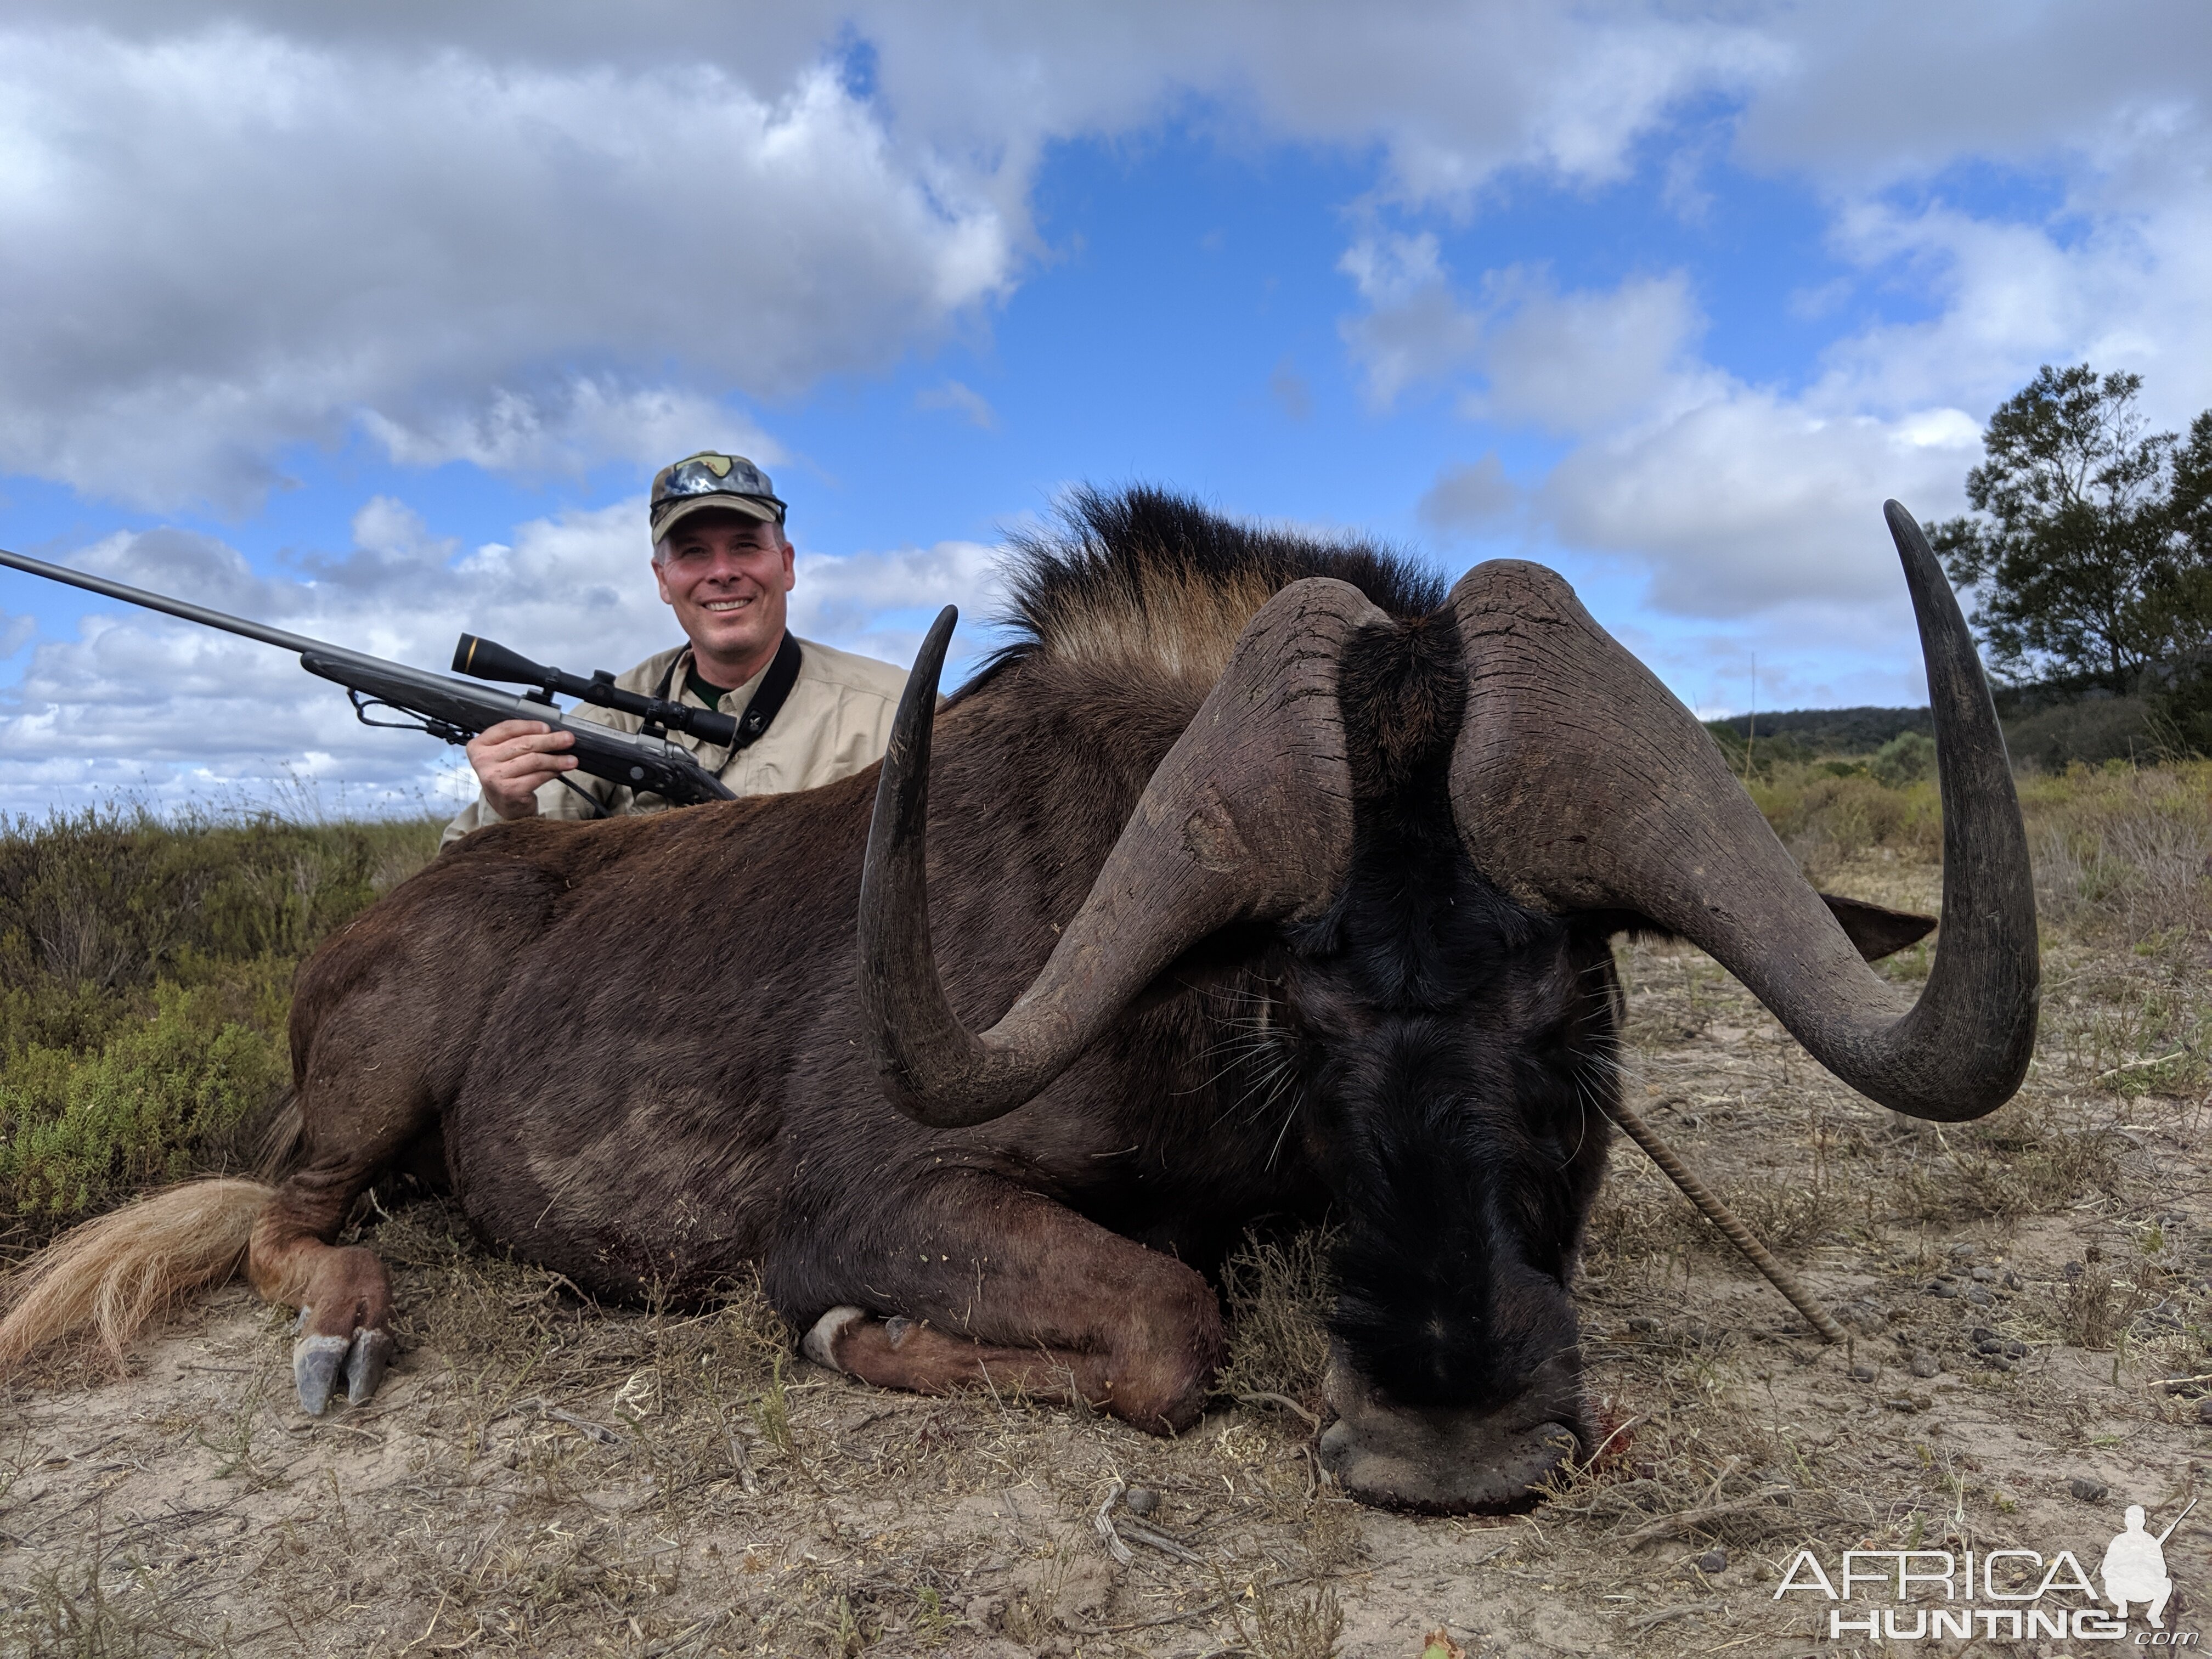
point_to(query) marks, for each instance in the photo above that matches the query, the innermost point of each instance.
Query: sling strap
(768, 697)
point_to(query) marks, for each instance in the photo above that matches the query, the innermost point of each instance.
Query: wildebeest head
(1440, 823)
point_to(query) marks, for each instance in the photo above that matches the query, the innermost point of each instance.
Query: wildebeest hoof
(319, 1361)
(316, 1362)
(366, 1359)
(820, 1345)
(1439, 1461)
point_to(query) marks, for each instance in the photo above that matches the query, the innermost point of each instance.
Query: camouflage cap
(708, 480)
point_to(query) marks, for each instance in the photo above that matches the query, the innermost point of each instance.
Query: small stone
(1962, 1253)
(2072, 1270)
(1977, 1296)
(1142, 1500)
(1863, 1372)
(1713, 1561)
(2088, 1490)
(1923, 1364)
(2012, 1280)
(1943, 1287)
(1985, 1275)
(2204, 1409)
(1643, 1325)
(1981, 1333)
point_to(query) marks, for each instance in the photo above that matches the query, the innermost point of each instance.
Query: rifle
(456, 711)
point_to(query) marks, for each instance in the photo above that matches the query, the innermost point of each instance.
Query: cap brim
(667, 517)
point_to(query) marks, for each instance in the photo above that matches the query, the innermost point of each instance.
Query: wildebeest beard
(1455, 1055)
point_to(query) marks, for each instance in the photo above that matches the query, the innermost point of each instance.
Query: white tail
(117, 1271)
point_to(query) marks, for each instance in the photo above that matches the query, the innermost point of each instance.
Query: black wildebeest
(1284, 881)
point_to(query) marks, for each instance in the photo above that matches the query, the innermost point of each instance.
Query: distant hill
(2044, 730)
(1838, 731)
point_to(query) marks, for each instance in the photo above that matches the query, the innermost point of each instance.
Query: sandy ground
(541, 1475)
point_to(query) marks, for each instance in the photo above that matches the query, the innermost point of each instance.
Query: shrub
(2125, 849)
(78, 1133)
(145, 981)
(1825, 818)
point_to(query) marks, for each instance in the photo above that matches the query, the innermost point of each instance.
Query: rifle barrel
(2176, 1522)
(184, 608)
(453, 709)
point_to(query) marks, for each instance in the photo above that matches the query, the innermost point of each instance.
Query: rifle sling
(768, 697)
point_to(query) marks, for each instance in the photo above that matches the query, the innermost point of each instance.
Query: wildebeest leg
(363, 1106)
(984, 1283)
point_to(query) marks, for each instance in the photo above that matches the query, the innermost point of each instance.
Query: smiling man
(807, 715)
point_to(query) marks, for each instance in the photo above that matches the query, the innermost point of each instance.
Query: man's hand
(513, 758)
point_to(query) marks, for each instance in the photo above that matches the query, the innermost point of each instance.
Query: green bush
(1843, 815)
(79, 1132)
(1905, 758)
(145, 981)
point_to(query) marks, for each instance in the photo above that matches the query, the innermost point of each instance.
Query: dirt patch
(543, 1475)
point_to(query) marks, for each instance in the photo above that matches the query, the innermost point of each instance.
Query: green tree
(2190, 510)
(2083, 568)
(2185, 701)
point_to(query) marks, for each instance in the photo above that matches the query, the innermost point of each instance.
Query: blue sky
(375, 326)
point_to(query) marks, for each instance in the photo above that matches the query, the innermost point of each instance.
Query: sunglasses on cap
(684, 486)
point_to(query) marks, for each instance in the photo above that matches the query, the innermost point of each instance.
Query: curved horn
(1248, 816)
(1580, 783)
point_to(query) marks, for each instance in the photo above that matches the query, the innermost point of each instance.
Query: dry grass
(1276, 1294)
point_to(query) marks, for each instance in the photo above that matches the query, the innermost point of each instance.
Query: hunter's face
(725, 575)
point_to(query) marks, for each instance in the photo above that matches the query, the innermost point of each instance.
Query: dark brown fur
(638, 1037)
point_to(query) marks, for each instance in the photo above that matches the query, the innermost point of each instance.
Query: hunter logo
(2015, 1595)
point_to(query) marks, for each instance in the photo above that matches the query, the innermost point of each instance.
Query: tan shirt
(837, 721)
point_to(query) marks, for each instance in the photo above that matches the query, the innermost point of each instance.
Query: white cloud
(881, 604)
(566, 429)
(1750, 500)
(221, 242)
(535, 237)
(1732, 499)
(1474, 497)
(1867, 95)
(170, 711)
(1414, 329)
(1570, 363)
(1564, 361)
(958, 399)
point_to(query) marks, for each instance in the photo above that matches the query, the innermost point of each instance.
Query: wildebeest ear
(1877, 932)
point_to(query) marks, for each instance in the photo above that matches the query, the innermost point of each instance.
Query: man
(2133, 1568)
(724, 565)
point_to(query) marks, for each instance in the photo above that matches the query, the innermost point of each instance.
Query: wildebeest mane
(1142, 578)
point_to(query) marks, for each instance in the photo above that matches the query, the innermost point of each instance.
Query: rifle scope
(487, 660)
